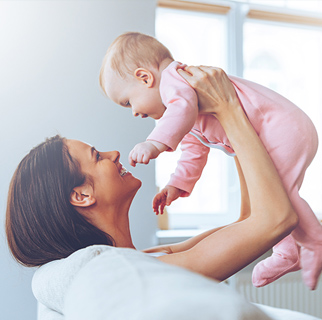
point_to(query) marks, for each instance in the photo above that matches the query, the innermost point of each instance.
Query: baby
(138, 72)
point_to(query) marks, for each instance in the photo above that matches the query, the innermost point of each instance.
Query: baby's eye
(127, 104)
(98, 156)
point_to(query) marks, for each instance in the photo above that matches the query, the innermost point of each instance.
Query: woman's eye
(127, 103)
(98, 156)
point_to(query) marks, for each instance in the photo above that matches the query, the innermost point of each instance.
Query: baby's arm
(165, 197)
(181, 112)
(190, 165)
(145, 151)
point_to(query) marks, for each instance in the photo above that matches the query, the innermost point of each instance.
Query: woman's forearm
(268, 197)
(245, 203)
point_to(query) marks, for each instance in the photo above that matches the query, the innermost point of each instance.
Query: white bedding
(102, 282)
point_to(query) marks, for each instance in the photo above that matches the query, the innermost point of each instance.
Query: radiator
(287, 292)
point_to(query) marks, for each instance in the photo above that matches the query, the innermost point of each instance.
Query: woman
(65, 195)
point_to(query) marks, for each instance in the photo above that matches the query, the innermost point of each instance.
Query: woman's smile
(123, 171)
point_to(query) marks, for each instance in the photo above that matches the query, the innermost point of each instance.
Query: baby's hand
(143, 152)
(165, 198)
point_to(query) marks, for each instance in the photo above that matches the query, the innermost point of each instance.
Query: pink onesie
(286, 131)
(290, 139)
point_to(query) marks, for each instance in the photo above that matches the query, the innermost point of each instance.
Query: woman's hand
(216, 93)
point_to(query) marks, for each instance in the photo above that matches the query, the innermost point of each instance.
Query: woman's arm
(245, 204)
(223, 253)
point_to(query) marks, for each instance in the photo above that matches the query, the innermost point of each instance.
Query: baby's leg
(309, 235)
(291, 158)
(285, 259)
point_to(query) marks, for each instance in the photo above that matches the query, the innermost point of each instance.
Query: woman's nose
(114, 156)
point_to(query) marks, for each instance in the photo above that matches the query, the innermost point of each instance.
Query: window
(278, 47)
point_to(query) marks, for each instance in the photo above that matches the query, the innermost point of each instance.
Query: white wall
(50, 55)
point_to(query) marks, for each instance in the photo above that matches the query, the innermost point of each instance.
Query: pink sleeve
(181, 104)
(190, 165)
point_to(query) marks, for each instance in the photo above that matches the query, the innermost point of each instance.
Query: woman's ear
(82, 196)
(145, 76)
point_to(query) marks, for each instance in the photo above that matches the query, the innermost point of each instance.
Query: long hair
(41, 223)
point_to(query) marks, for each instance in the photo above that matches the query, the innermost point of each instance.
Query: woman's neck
(123, 238)
(115, 222)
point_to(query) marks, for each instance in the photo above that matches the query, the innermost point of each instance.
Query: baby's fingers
(162, 205)
(132, 159)
(145, 158)
(158, 202)
(156, 205)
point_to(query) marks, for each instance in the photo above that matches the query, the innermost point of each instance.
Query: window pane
(288, 60)
(210, 194)
(193, 37)
(196, 38)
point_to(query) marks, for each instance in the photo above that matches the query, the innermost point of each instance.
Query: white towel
(51, 281)
(102, 282)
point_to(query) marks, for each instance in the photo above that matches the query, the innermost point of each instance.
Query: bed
(102, 282)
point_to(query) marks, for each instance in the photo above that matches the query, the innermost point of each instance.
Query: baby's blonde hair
(132, 50)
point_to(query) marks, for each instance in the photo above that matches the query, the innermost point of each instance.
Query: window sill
(176, 235)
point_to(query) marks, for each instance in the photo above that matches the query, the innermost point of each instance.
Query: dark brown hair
(41, 223)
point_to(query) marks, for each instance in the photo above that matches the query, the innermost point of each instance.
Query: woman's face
(112, 183)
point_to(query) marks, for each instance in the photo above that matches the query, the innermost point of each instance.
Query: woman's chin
(137, 183)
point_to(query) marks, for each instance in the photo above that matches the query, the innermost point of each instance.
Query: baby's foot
(285, 259)
(311, 263)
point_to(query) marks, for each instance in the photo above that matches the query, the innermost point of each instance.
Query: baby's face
(130, 93)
